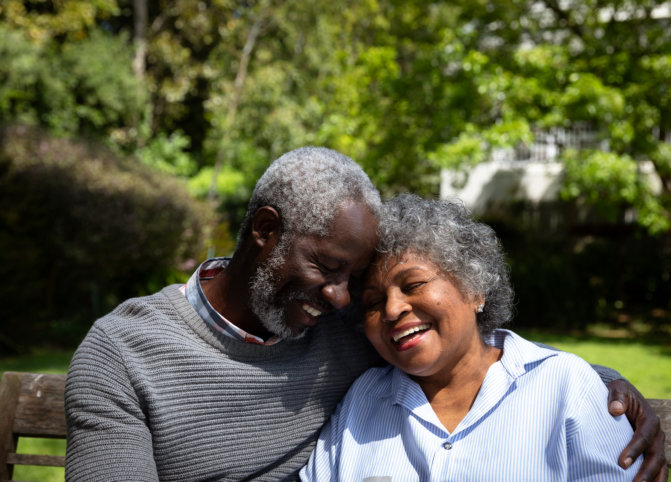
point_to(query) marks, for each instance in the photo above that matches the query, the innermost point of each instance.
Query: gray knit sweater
(153, 393)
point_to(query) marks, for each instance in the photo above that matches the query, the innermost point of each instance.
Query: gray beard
(263, 291)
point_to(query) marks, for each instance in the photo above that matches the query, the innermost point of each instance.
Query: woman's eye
(371, 304)
(410, 287)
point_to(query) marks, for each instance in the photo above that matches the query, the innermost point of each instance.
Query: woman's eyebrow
(396, 276)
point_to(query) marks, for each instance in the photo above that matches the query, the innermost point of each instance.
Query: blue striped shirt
(540, 415)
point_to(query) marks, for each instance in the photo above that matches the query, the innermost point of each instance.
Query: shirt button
(447, 445)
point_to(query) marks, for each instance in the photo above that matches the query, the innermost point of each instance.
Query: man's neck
(228, 293)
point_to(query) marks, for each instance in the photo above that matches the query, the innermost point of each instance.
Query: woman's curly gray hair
(306, 186)
(469, 252)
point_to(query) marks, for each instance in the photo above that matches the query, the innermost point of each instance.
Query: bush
(82, 229)
(571, 276)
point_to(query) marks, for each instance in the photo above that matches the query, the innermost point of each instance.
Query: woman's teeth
(312, 311)
(410, 331)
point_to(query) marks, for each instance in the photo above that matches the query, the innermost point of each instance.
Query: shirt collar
(519, 357)
(194, 293)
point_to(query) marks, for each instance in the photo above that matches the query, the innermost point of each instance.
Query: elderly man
(231, 376)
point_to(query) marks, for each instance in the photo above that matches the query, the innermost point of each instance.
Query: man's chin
(297, 335)
(281, 329)
(287, 333)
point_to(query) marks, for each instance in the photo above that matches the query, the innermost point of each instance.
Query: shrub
(80, 230)
(574, 275)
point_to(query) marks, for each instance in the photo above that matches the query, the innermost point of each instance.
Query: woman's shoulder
(376, 380)
(530, 356)
(372, 385)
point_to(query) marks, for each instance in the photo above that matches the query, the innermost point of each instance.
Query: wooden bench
(31, 405)
(662, 408)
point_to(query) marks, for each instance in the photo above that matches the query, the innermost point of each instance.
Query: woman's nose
(394, 307)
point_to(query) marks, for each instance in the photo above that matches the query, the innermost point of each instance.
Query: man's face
(303, 280)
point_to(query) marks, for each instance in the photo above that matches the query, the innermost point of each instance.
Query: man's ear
(266, 227)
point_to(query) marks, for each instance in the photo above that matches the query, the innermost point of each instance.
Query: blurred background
(132, 133)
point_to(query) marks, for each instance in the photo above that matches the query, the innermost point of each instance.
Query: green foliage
(80, 230)
(606, 178)
(229, 183)
(100, 98)
(169, 153)
(402, 87)
(71, 89)
(466, 151)
(44, 20)
(474, 146)
(21, 71)
(610, 181)
(553, 65)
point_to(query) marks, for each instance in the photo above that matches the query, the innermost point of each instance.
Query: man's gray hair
(307, 186)
(444, 233)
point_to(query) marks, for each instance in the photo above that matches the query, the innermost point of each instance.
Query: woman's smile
(408, 335)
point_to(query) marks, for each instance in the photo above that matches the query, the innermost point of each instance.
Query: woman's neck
(452, 395)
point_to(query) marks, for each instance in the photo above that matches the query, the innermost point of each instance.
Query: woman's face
(417, 318)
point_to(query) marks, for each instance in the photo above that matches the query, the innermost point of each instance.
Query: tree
(56, 69)
(600, 63)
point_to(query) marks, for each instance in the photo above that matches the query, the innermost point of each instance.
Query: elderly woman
(463, 399)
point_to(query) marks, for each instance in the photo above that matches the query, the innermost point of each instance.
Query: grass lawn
(647, 364)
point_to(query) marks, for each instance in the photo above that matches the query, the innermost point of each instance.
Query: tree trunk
(140, 18)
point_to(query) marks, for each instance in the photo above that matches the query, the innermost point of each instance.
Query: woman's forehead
(387, 262)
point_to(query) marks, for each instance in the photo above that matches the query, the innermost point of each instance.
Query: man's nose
(337, 294)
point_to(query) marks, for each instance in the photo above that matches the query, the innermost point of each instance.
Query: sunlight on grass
(40, 361)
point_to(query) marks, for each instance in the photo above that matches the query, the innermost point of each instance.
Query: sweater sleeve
(606, 374)
(108, 438)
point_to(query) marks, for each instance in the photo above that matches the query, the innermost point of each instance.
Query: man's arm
(108, 438)
(648, 439)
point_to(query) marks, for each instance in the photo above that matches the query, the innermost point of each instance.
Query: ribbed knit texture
(153, 393)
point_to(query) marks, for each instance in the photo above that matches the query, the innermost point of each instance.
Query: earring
(481, 308)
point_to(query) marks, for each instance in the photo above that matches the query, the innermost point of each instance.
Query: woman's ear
(266, 227)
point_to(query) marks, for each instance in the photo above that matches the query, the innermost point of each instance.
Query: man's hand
(648, 439)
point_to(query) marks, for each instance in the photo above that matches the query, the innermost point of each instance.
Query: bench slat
(41, 411)
(42, 460)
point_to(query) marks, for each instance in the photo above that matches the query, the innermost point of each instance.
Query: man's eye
(326, 269)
